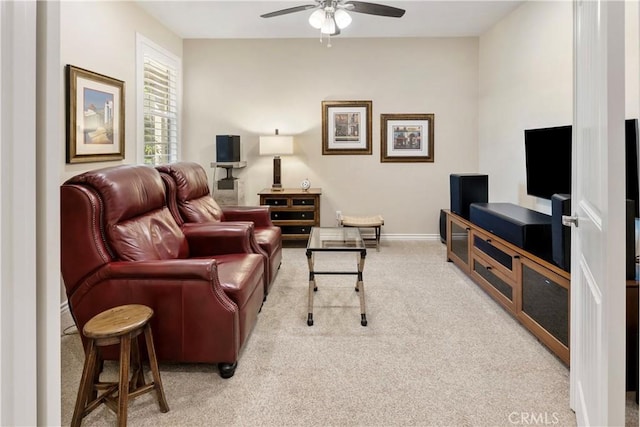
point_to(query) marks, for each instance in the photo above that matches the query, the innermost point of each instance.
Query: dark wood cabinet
(294, 211)
(534, 291)
(531, 289)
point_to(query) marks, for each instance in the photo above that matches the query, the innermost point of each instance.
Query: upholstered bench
(376, 222)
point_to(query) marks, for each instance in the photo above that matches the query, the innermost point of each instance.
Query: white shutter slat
(160, 108)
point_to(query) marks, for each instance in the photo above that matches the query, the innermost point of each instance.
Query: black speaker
(466, 189)
(560, 234)
(630, 238)
(227, 148)
(443, 226)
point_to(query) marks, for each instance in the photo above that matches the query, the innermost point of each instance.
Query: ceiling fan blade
(374, 9)
(289, 10)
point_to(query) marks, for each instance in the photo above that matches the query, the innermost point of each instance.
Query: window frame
(147, 48)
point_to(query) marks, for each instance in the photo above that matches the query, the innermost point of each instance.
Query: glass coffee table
(336, 239)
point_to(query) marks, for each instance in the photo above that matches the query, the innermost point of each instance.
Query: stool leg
(153, 364)
(137, 379)
(86, 384)
(99, 367)
(123, 387)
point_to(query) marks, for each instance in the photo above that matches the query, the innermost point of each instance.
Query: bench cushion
(362, 221)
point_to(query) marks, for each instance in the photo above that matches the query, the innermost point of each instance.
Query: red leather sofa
(191, 202)
(121, 245)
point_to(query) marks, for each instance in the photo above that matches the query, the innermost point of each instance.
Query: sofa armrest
(157, 273)
(259, 215)
(176, 269)
(188, 300)
(210, 239)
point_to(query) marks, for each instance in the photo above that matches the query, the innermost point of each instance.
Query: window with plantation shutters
(158, 88)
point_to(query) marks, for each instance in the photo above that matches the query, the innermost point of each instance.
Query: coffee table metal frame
(336, 239)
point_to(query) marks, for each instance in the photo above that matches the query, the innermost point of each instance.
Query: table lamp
(276, 145)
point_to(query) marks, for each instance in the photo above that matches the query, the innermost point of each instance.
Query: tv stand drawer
(502, 258)
(494, 282)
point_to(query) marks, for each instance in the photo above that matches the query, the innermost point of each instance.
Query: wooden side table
(295, 211)
(119, 325)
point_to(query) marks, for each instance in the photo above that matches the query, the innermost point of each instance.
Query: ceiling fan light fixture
(317, 19)
(343, 19)
(329, 25)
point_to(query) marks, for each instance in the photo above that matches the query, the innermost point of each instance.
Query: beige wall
(526, 81)
(251, 87)
(100, 36)
(526, 69)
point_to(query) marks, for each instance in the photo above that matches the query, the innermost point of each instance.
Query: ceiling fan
(331, 15)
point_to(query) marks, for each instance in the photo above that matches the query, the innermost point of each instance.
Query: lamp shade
(276, 145)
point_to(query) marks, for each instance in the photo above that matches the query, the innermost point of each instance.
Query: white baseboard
(408, 237)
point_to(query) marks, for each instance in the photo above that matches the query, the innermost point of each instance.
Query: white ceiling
(241, 18)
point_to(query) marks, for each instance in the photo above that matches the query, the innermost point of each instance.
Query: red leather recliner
(121, 245)
(194, 204)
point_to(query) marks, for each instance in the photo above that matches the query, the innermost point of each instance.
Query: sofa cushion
(192, 192)
(153, 236)
(126, 192)
(137, 223)
(203, 209)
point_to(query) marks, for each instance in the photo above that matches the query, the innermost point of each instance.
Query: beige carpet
(437, 351)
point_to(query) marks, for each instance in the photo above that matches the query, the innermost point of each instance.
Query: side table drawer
(292, 215)
(275, 201)
(295, 229)
(303, 201)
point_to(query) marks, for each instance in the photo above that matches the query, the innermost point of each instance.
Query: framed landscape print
(346, 127)
(95, 117)
(406, 137)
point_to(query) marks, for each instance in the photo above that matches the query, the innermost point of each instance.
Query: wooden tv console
(533, 290)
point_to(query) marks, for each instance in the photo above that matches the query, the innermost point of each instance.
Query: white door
(597, 257)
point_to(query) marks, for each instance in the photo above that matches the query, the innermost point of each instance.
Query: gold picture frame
(95, 117)
(346, 127)
(406, 138)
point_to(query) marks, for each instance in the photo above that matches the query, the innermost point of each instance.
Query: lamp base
(277, 185)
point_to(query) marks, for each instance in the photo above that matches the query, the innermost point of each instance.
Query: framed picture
(95, 117)
(406, 137)
(346, 127)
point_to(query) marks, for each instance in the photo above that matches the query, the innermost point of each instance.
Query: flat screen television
(548, 161)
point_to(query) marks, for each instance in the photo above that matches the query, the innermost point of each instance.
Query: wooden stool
(375, 222)
(118, 325)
